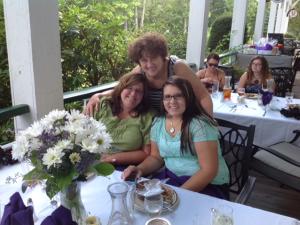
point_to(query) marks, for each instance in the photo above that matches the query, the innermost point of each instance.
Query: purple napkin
(60, 216)
(16, 213)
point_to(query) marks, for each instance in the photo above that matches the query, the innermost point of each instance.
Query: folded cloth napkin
(60, 216)
(16, 213)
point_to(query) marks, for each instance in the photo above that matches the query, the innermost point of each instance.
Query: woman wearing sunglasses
(184, 139)
(212, 74)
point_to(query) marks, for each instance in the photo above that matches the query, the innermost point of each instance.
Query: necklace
(172, 128)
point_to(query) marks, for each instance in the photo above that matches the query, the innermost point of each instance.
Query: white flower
(103, 140)
(76, 115)
(52, 117)
(20, 147)
(35, 130)
(89, 145)
(53, 157)
(64, 144)
(74, 157)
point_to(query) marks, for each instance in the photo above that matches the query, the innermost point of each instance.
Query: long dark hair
(193, 110)
(127, 81)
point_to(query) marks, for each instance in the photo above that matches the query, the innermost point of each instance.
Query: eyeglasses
(212, 65)
(256, 64)
(176, 97)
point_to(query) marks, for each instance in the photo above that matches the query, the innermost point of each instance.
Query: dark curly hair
(152, 44)
(127, 81)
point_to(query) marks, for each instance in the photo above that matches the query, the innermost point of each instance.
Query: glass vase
(119, 213)
(70, 198)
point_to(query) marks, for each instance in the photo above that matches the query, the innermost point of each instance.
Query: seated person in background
(185, 138)
(212, 73)
(256, 75)
(128, 121)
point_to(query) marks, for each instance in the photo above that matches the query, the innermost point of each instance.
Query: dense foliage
(220, 33)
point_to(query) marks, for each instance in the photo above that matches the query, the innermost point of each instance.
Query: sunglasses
(212, 65)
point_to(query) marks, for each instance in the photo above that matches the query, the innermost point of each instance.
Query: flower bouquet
(63, 148)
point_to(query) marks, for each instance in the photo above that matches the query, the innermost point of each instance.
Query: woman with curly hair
(256, 75)
(150, 52)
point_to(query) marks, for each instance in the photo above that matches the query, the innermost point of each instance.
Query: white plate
(171, 200)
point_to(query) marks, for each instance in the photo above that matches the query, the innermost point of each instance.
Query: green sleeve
(146, 126)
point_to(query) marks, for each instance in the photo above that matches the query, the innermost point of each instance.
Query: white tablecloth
(97, 201)
(243, 60)
(270, 129)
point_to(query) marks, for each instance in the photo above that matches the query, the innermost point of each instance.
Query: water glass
(241, 91)
(289, 97)
(215, 88)
(222, 215)
(153, 204)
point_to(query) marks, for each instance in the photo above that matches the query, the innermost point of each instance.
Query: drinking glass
(227, 93)
(153, 204)
(222, 215)
(289, 97)
(215, 88)
(241, 91)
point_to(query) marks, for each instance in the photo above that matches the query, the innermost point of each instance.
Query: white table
(97, 201)
(270, 129)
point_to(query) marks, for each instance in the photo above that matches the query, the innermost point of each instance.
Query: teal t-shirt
(127, 134)
(187, 164)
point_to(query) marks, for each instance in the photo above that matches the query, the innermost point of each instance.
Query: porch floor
(269, 195)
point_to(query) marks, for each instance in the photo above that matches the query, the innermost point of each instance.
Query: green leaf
(104, 169)
(36, 174)
(52, 187)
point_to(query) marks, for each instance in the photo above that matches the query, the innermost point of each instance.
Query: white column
(33, 46)
(285, 18)
(260, 18)
(279, 17)
(272, 18)
(238, 23)
(197, 31)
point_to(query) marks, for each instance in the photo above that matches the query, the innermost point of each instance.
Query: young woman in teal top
(185, 139)
(128, 121)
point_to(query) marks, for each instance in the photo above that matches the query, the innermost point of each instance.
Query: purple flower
(266, 97)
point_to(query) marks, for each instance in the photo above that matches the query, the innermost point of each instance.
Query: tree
(94, 41)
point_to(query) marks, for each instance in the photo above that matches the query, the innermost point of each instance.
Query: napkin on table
(16, 213)
(60, 216)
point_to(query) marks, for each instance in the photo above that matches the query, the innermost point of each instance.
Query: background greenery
(95, 33)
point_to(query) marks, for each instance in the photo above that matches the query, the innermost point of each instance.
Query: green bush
(219, 33)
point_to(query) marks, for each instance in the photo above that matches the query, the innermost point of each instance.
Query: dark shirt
(154, 94)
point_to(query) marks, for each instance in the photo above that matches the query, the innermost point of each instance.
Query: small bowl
(158, 221)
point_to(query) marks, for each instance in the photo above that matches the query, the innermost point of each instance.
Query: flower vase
(70, 198)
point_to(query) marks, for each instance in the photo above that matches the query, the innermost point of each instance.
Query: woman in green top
(128, 121)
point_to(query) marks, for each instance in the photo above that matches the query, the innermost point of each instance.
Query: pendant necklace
(172, 128)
